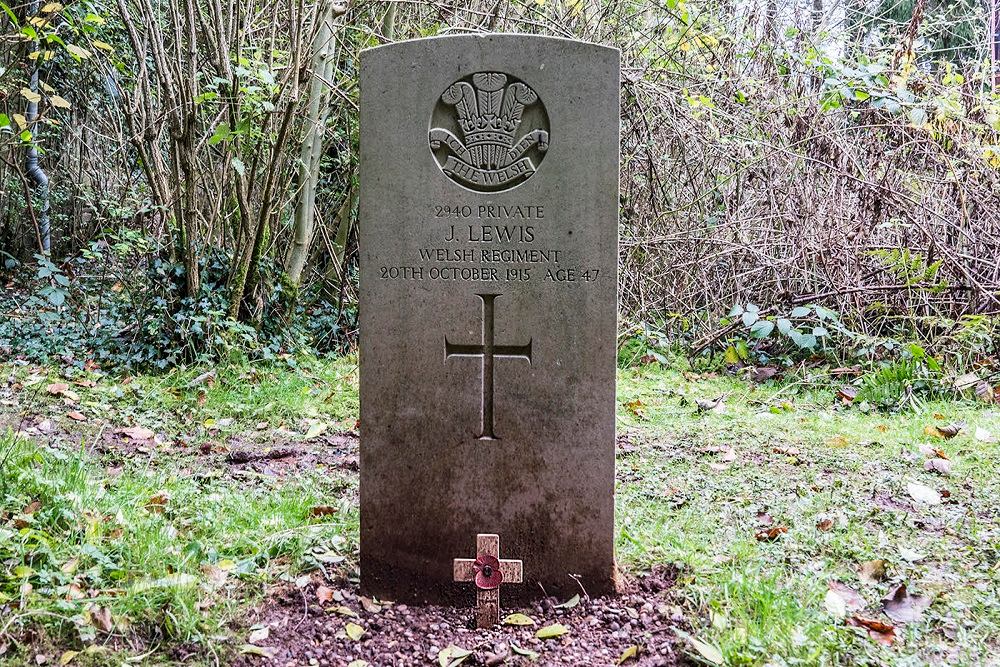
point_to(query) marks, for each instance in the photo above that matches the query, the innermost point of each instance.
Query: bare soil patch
(303, 630)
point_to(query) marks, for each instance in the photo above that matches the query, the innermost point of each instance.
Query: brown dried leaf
(947, 431)
(322, 510)
(137, 433)
(824, 525)
(883, 633)
(847, 394)
(158, 502)
(76, 416)
(57, 388)
(851, 598)
(902, 607)
(370, 605)
(101, 618)
(771, 534)
(324, 594)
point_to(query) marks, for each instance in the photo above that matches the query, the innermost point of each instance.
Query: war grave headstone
(488, 237)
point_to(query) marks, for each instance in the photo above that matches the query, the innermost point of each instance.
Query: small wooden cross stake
(488, 572)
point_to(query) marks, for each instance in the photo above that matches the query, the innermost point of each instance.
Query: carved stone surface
(489, 218)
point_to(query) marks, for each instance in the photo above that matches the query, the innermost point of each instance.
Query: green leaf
(552, 631)
(261, 651)
(568, 604)
(354, 631)
(736, 311)
(801, 311)
(10, 13)
(762, 329)
(528, 653)
(784, 326)
(518, 619)
(239, 167)
(819, 332)
(628, 653)
(708, 651)
(4, 120)
(452, 655)
(749, 317)
(222, 133)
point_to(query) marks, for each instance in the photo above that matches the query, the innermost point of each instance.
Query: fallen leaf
(345, 611)
(872, 572)
(67, 657)
(322, 510)
(518, 619)
(262, 651)
(941, 466)
(452, 655)
(370, 605)
(707, 651)
(529, 654)
(716, 405)
(568, 604)
(316, 430)
(57, 388)
(982, 435)
(947, 431)
(923, 494)
(354, 631)
(824, 525)
(903, 607)
(324, 594)
(770, 534)
(850, 598)
(158, 502)
(834, 604)
(933, 452)
(259, 635)
(137, 433)
(628, 654)
(76, 416)
(101, 618)
(847, 394)
(358, 663)
(883, 633)
(838, 442)
(552, 631)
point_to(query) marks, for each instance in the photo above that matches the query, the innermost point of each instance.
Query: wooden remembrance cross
(488, 572)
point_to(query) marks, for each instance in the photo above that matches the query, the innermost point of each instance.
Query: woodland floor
(211, 518)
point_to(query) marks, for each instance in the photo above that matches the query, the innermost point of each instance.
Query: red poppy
(488, 574)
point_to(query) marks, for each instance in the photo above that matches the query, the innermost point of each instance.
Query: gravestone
(488, 237)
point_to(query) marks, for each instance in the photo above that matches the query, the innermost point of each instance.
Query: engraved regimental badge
(489, 132)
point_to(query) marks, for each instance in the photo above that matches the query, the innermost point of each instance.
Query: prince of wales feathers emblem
(489, 116)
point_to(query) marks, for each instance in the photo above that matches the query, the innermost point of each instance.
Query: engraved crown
(489, 110)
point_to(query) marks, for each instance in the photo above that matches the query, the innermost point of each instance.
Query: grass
(167, 553)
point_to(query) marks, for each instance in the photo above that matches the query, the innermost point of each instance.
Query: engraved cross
(488, 351)
(488, 572)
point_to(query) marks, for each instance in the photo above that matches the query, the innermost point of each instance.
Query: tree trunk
(311, 153)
